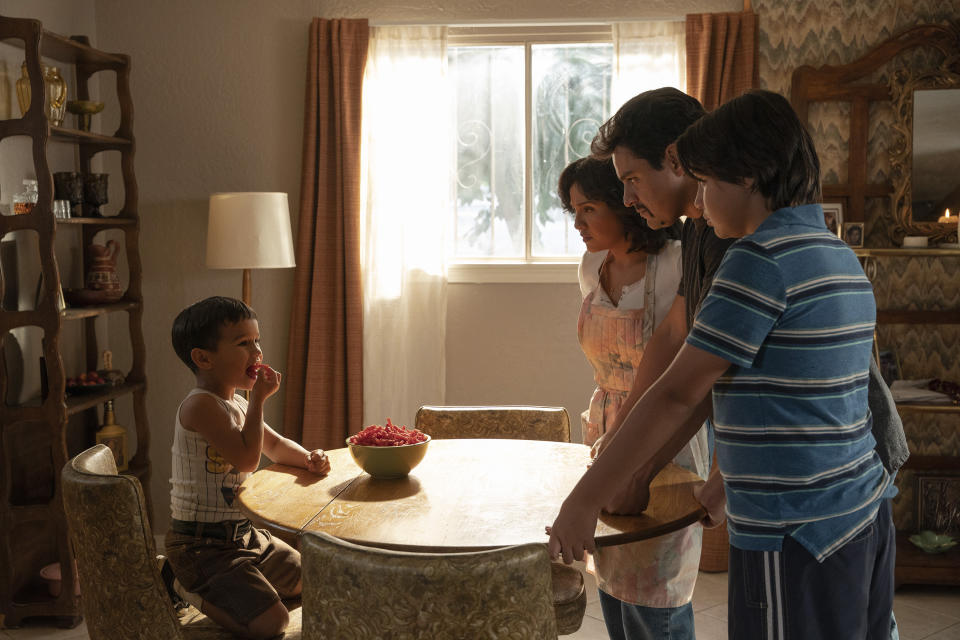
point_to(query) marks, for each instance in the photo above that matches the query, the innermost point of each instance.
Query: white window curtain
(648, 55)
(407, 156)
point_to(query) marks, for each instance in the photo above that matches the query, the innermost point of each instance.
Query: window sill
(513, 272)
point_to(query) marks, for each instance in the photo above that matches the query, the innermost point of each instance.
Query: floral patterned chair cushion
(352, 592)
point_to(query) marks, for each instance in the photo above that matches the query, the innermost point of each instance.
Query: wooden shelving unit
(36, 434)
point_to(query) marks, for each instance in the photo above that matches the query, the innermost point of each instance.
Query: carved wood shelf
(38, 436)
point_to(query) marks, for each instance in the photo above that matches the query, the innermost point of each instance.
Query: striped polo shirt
(791, 310)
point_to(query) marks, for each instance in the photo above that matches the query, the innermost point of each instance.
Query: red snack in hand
(253, 369)
(390, 435)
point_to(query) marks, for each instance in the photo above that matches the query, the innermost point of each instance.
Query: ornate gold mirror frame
(850, 83)
(904, 80)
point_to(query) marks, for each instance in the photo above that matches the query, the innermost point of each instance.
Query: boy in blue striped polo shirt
(783, 340)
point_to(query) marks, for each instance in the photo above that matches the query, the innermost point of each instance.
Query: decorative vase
(23, 89)
(102, 273)
(56, 89)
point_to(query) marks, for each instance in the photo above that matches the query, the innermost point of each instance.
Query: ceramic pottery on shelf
(102, 274)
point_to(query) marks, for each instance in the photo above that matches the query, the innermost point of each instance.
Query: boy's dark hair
(598, 181)
(198, 326)
(647, 124)
(755, 136)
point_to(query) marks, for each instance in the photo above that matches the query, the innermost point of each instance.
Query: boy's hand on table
(318, 462)
(573, 530)
(268, 381)
(712, 497)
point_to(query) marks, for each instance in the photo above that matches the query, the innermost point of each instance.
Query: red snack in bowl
(389, 435)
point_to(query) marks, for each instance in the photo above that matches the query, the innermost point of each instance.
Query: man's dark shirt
(701, 252)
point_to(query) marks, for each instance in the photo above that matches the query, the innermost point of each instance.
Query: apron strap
(649, 297)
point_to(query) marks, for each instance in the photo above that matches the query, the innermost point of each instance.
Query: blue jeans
(634, 622)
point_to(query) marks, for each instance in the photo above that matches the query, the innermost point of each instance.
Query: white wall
(218, 89)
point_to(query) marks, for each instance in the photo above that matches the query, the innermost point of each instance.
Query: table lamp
(249, 230)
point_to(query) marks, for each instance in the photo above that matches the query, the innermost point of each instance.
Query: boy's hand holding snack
(268, 381)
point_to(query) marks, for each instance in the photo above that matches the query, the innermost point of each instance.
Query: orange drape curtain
(324, 380)
(721, 56)
(721, 64)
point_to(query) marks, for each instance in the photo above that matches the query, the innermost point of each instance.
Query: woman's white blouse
(668, 279)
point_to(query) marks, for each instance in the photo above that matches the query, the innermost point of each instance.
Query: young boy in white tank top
(240, 573)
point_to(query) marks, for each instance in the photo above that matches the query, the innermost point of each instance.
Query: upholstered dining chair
(520, 423)
(512, 422)
(352, 592)
(123, 595)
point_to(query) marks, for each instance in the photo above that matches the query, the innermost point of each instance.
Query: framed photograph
(938, 502)
(833, 217)
(853, 233)
(889, 365)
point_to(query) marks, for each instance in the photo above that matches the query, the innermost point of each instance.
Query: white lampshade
(249, 231)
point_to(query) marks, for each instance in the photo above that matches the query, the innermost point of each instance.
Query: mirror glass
(936, 154)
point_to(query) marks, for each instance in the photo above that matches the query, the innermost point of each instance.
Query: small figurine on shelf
(114, 436)
(114, 377)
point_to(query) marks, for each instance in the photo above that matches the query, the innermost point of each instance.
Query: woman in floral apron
(629, 277)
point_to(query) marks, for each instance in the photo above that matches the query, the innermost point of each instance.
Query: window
(527, 104)
(466, 131)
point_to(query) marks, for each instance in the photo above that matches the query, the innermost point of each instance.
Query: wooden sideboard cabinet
(915, 289)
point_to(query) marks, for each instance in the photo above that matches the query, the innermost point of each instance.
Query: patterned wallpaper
(818, 32)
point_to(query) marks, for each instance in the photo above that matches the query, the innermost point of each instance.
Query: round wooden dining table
(466, 495)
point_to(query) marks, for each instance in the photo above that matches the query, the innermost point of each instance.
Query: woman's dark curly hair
(598, 181)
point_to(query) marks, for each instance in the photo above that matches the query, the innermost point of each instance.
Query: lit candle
(946, 217)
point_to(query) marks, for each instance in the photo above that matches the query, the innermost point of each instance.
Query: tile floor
(923, 613)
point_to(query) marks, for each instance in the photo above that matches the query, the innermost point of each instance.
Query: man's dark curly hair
(647, 124)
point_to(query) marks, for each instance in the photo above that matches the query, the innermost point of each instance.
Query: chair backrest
(518, 423)
(123, 593)
(354, 592)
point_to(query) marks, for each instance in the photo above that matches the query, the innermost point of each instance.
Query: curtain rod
(521, 23)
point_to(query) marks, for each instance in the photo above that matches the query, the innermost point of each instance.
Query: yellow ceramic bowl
(385, 463)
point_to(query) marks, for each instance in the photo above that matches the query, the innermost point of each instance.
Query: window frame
(528, 269)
